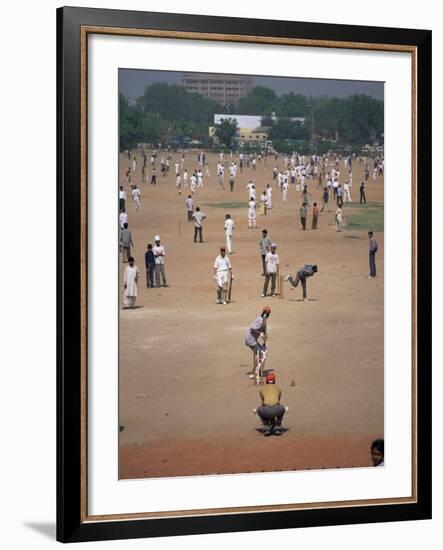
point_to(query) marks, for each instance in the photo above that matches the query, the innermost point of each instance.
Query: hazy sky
(132, 83)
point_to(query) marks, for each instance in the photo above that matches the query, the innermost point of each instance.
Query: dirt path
(185, 400)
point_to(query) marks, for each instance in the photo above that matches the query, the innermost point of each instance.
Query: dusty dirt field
(185, 398)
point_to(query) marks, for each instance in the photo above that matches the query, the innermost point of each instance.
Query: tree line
(168, 111)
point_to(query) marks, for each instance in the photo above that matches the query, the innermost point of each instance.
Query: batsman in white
(222, 276)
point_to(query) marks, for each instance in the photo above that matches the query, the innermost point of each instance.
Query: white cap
(273, 245)
(157, 238)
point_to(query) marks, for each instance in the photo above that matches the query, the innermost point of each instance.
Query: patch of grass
(365, 217)
(227, 205)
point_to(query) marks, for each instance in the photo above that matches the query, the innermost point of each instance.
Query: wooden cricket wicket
(281, 287)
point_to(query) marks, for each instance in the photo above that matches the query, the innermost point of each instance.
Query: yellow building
(256, 135)
(246, 135)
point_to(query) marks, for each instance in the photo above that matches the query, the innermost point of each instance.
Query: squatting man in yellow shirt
(271, 412)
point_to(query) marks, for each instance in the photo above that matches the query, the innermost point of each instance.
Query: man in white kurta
(130, 284)
(222, 274)
(229, 227)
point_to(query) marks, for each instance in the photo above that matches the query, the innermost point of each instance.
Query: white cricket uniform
(285, 192)
(136, 198)
(123, 218)
(269, 195)
(252, 215)
(222, 267)
(229, 226)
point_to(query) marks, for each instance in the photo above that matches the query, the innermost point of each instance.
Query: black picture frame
(72, 526)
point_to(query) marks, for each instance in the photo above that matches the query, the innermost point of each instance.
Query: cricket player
(251, 190)
(198, 218)
(159, 256)
(264, 204)
(272, 262)
(252, 215)
(178, 184)
(338, 219)
(229, 228)
(189, 207)
(257, 329)
(125, 243)
(285, 188)
(193, 183)
(302, 274)
(271, 412)
(130, 284)
(265, 246)
(222, 276)
(347, 192)
(136, 197)
(221, 175)
(122, 198)
(123, 218)
(269, 195)
(373, 247)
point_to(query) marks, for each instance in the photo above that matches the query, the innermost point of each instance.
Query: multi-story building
(225, 89)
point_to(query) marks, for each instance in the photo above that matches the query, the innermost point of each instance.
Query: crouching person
(271, 412)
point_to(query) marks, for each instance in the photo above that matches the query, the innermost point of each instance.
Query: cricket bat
(230, 288)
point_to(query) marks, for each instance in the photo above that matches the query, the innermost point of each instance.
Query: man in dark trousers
(362, 193)
(265, 246)
(302, 274)
(373, 247)
(303, 215)
(198, 218)
(150, 266)
(271, 412)
(125, 243)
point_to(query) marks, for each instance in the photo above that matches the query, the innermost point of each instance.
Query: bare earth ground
(185, 399)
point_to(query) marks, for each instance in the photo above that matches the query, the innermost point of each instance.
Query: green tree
(292, 105)
(260, 101)
(185, 111)
(286, 128)
(130, 124)
(267, 121)
(226, 131)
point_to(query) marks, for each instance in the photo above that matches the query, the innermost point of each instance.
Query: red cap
(266, 309)
(222, 248)
(270, 378)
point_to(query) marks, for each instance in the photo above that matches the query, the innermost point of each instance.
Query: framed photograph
(244, 274)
